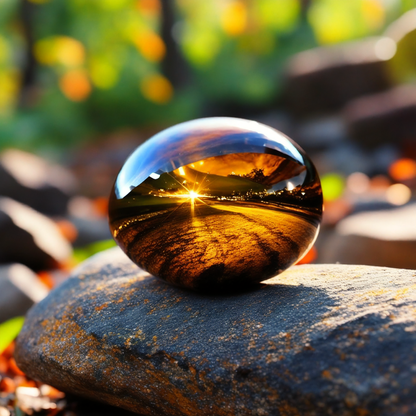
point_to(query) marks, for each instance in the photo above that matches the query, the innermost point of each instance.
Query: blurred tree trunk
(174, 66)
(304, 4)
(26, 14)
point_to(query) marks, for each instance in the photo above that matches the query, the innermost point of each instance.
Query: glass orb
(216, 203)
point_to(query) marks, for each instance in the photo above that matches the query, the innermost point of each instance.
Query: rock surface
(34, 182)
(387, 117)
(378, 238)
(324, 79)
(90, 230)
(19, 290)
(97, 164)
(317, 339)
(30, 238)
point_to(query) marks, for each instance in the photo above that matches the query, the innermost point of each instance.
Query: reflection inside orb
(240, 215)
(193, 194)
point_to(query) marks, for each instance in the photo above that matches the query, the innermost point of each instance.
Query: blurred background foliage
(84, 82)
(72, 70)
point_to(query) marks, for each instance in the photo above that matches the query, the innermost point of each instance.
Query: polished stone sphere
(216, 203)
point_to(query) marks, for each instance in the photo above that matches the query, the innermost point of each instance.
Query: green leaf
(81, 254)
(9, 330)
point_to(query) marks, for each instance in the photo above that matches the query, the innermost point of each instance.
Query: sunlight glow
(154, 175)
(290, 186)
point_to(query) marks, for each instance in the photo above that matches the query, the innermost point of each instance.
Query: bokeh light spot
(9, 86)
(358, 183)
(150, 45)
(75, 85)
(60, 50)
(330, 20)
(398, 194)
(403, 169)
(373, 12)
(149, 8)
(103, 74)
(278, 14)
(201, 45)
(157, 88)
(69, 51)
(337, 21)
(234, 18)
(332, 186)
(385, 49)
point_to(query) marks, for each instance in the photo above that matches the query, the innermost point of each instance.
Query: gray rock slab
(29, 237)
(320, 133)
(324, 79)
(19, 290)
(35, 182)
(315, 340)
(97, 164)
(90, 230)
(378, 238)
(387, 117)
